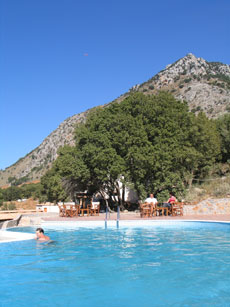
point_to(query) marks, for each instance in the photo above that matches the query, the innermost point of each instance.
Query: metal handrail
(118, 215)
(106, 216)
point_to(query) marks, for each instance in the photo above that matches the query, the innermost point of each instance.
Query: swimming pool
(180, 264)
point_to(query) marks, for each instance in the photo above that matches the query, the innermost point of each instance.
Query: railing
(118, 216)
(106, 217)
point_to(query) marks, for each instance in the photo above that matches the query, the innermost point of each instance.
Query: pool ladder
(118, 217)
(106, 217)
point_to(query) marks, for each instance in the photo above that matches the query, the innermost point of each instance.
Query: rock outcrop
(204, 85)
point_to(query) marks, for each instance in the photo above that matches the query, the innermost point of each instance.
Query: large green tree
(52, 189)
(151, 142)
(223, 127)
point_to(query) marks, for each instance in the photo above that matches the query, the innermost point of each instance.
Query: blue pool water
(180, 265)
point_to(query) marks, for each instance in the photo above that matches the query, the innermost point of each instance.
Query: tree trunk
(190, 180)
(121, 204)
(103, 194)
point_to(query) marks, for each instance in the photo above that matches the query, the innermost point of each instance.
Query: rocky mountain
(38, 161)
(204, 85)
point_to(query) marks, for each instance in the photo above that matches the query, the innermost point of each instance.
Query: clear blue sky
(45, 75)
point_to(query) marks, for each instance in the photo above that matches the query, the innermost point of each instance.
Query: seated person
(172, 199)
(151, 200)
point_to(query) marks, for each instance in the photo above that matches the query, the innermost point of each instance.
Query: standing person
(40, 236)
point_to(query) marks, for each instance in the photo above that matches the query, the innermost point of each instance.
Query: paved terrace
(37, 218)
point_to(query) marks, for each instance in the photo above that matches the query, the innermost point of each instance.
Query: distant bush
(188, 89)
(176, 78)
(197, 109)
(151, 87)
(15, 182)
(218, 187)
(10, 206)
(11, 179)
(221, 190)
(210, 110)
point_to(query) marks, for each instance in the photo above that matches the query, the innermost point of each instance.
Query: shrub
(10, 206)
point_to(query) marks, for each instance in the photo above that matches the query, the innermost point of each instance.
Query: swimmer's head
(39, 232)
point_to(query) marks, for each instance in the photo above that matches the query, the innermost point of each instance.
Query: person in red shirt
(171, 199)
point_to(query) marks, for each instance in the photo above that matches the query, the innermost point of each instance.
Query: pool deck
(128, 219)
(134, 216)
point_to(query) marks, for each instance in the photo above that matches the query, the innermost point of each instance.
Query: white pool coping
(11, 236)
(122, 223)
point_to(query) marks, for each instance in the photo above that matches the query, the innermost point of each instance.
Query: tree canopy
(150, 142)
(223, 126)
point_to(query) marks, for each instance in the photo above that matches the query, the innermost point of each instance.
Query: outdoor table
(84, 210)
(70, 211)
(161, 209)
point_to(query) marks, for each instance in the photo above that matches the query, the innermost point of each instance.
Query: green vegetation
(215, 187)
(1, 198)
(25, 191)
(15, 182)
(150, 142)
(51, 187)
(197, 109)
(223, 127)
(8, 207)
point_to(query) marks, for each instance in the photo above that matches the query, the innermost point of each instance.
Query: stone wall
(209, 207)
(12, 223)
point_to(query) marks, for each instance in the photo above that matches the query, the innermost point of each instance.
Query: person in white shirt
(151, 200)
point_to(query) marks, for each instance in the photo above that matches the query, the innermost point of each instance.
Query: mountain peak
(204, 85)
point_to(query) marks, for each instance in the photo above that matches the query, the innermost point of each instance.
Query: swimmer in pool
(40, 236)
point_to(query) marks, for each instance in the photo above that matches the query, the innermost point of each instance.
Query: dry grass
(218, 188)
(29, 204)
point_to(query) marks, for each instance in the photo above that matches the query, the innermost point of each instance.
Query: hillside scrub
(211, 188)
(223, 127)
(151, 142)
(25, 191)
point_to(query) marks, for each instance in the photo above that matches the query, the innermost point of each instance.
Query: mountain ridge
(204, 85)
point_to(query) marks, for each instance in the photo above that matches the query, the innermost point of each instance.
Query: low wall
(209, 207)
(11, 223)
